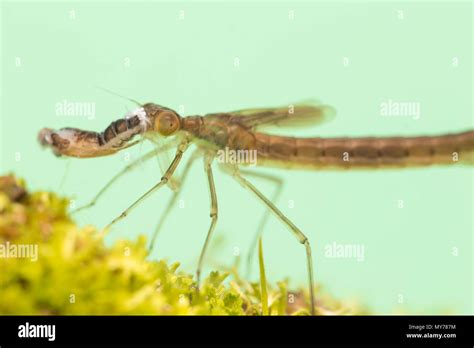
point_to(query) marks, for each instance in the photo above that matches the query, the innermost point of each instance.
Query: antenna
(118, 95)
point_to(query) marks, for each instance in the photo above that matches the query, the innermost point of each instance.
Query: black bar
(153, 330)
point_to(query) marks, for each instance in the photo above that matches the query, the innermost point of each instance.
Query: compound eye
(167, 123)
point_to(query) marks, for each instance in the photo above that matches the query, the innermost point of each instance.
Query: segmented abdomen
(367, 152)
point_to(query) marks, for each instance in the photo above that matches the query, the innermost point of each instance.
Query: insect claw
(104, 231)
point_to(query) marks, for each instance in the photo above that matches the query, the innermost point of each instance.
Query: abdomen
(370, 152)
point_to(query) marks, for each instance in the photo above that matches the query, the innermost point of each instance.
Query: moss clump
(51, 266)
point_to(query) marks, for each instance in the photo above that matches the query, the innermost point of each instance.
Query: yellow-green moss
(75, 273)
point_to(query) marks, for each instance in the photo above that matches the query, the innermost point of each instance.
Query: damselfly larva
(241, 131)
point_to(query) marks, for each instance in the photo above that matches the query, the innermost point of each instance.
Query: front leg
(169, 172)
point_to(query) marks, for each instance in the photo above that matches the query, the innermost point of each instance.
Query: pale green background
(190, 62)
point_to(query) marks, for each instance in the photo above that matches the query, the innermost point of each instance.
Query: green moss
(73, 271)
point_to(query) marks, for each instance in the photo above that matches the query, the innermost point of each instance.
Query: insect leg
(136, 163)
(163, 160)
(258, 233)
(172, 201)
(164, 179)
(212, 190)
(295, 230)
